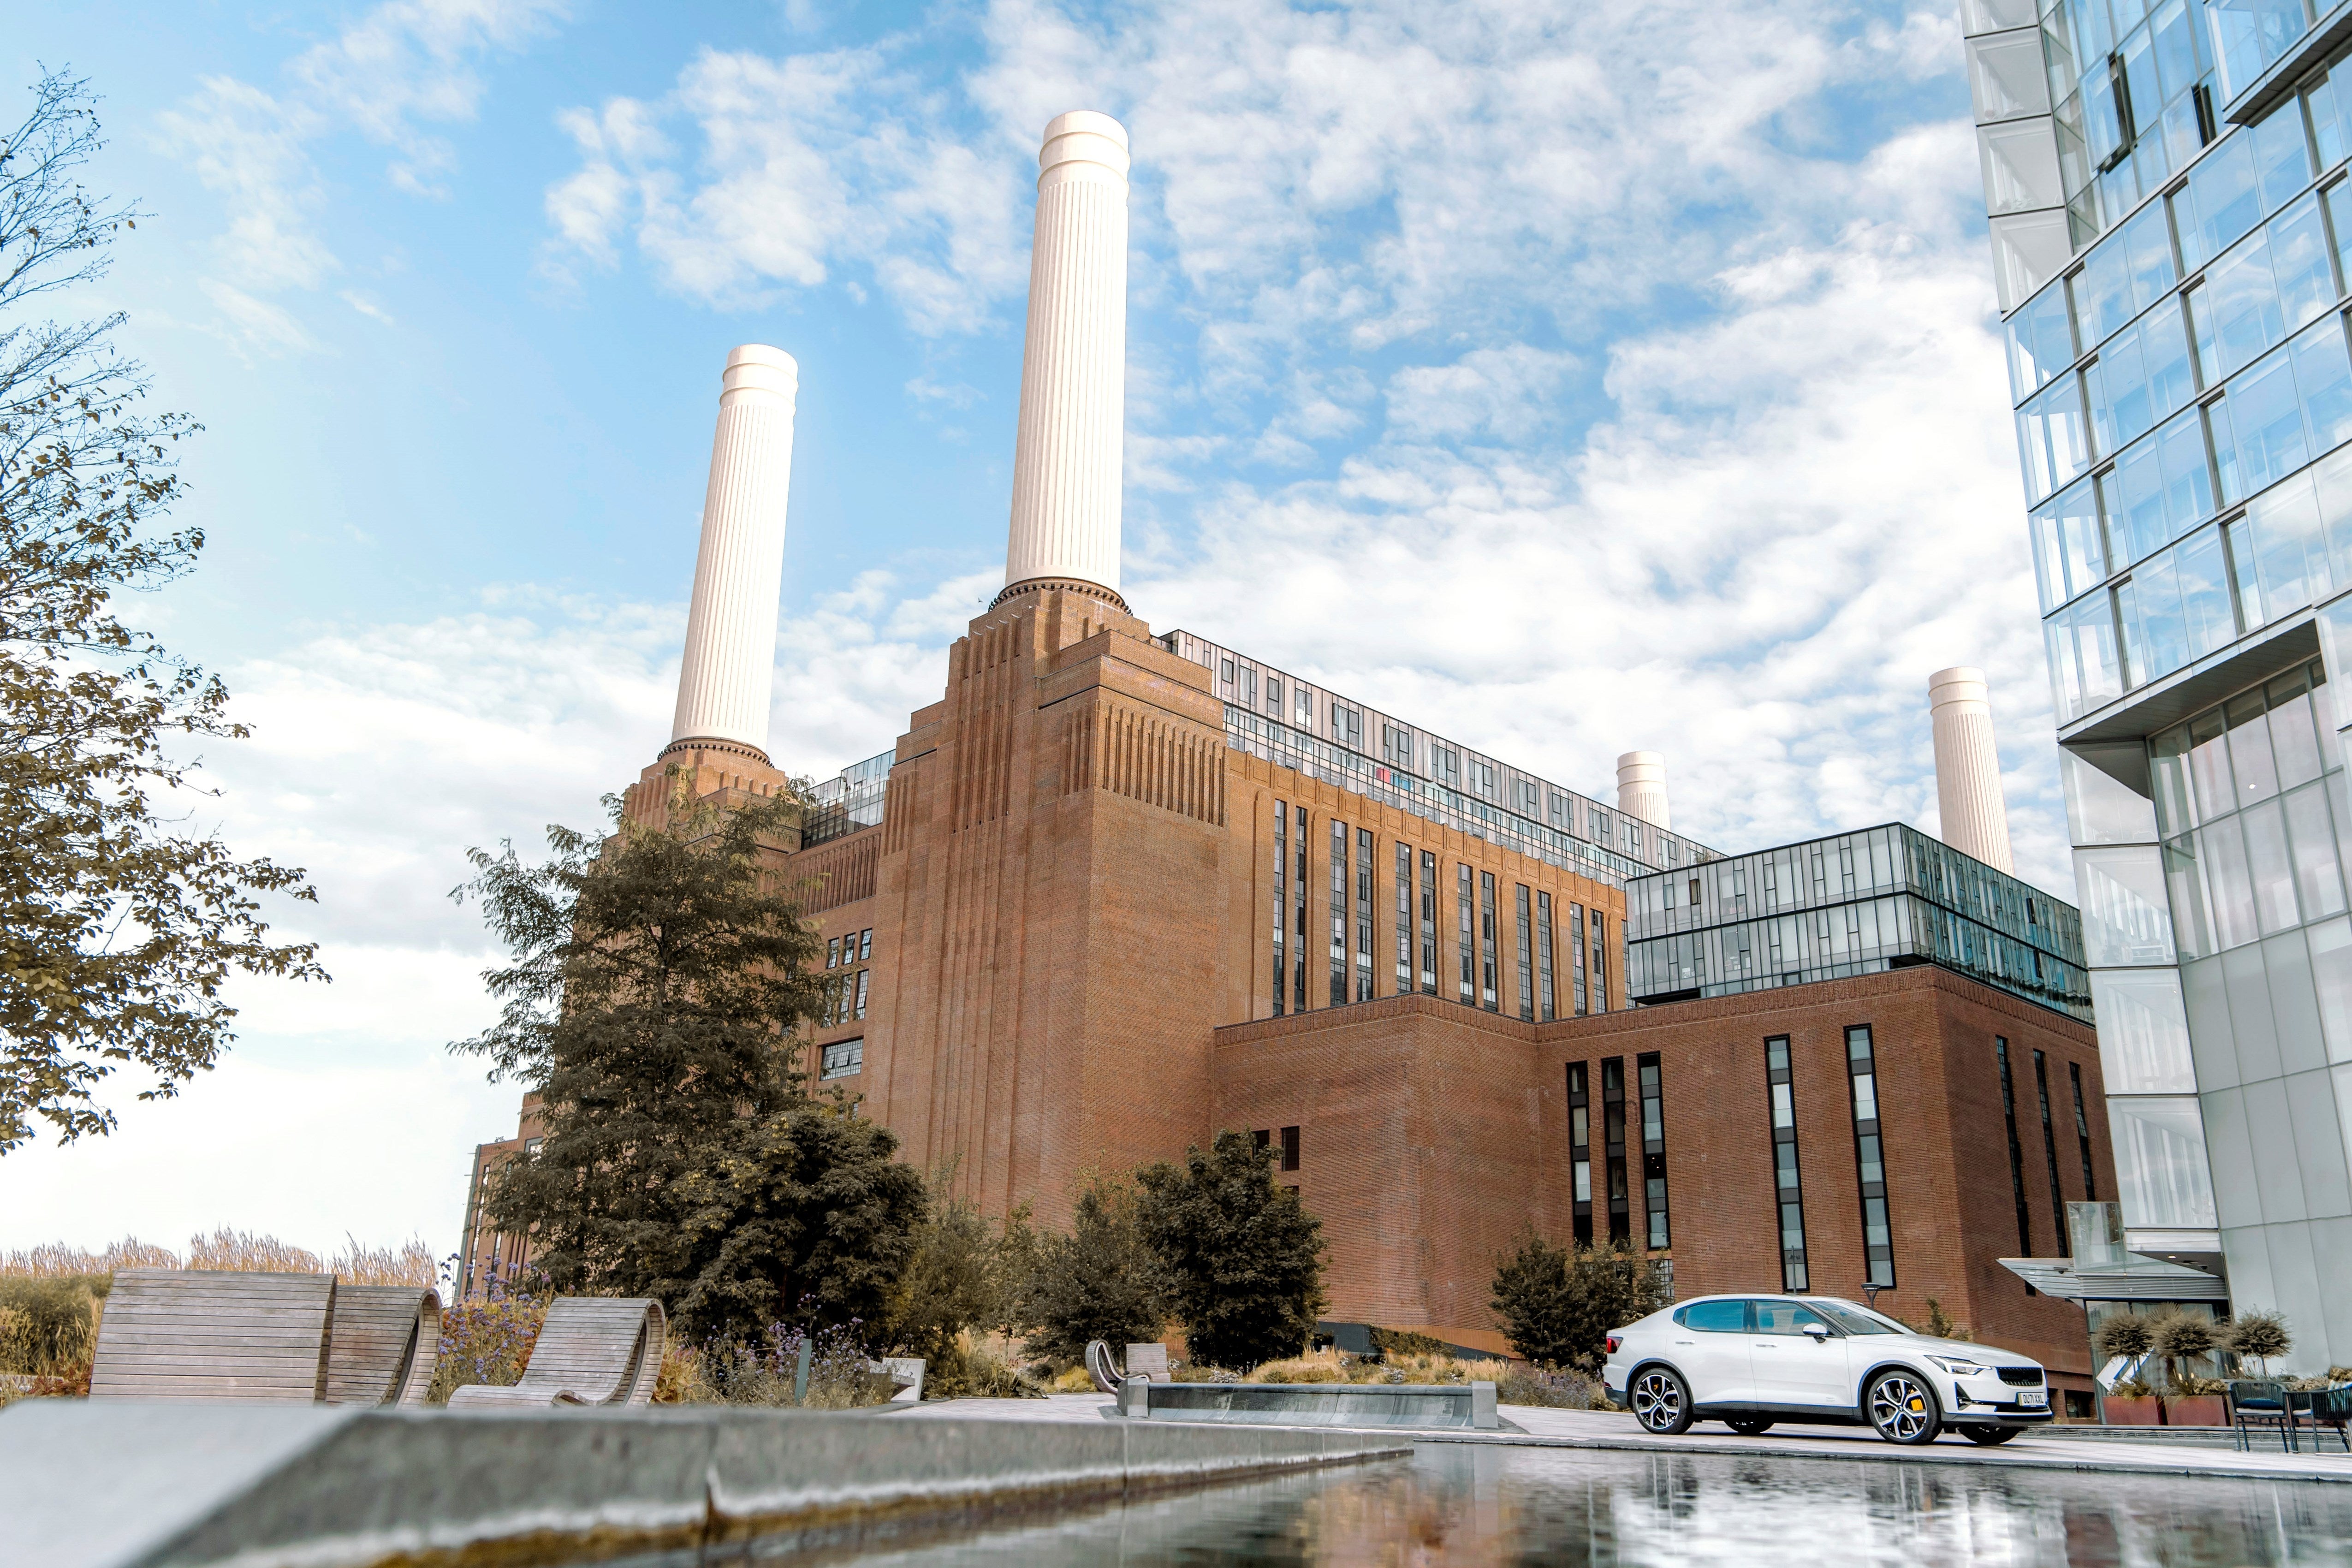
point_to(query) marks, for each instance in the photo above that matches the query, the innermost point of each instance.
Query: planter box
(2197, 1410)
(2115, 1411)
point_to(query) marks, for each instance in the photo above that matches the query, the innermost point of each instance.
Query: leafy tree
(954, 1279)
(1557, 1305)
(1244, 1260)
(800, 1218)
(120, 920)
(2262, 1336)
(1099, 1282)
(658, 976)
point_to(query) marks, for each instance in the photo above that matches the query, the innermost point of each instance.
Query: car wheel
(1661, 1402)
(1750, 1425)
(1903, 1408)
(1991, 1435)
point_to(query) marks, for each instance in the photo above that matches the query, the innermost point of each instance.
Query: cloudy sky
(1579, 376)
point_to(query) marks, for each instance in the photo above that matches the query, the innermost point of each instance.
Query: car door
(1709, 1344)
(1792, 1367)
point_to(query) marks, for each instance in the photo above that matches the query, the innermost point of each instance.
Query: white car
(1749, 1361)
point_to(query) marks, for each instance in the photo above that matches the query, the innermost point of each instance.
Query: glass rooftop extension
(1273, 714)
(1854, 903)
(849, 801)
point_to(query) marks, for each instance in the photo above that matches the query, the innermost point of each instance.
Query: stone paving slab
(1609, 1429)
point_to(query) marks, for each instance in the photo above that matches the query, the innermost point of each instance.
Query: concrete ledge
(128, 1484)
(1421, 1405)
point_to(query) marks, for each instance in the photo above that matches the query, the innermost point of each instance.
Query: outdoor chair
(2255, 1405)
(185, 1333)
(1106, 1376)
(1147, 1361)
(591, 1350)
(2330, 1410)
(386, 1341)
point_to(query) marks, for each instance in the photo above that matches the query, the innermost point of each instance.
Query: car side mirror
(1815, 1333)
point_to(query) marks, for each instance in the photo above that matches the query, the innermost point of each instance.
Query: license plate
(2033, 1396)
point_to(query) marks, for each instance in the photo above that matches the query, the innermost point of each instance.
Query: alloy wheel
(1658, 1402)
(1903, 1409)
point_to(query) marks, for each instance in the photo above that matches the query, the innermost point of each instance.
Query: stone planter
(2197, 1410)
(2118, 1410)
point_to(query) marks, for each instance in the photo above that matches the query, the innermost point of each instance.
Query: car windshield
(1854, 1319)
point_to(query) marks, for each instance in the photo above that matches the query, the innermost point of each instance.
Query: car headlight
(1958, 1367)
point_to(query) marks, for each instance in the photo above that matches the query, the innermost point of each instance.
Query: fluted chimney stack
(1065, 460)
(1968, 767)
(728, 676)
(1642, 787)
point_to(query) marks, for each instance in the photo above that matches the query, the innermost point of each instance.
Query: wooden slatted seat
(386, 1341)
(592, 1349)
(184, 1333)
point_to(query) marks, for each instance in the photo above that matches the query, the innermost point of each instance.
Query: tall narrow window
(1546, 1001)
(1579, 1151)
(1339, 912)
(1527, 953)
(1599, 978)
(2050, 1147)
(863, 975)
(1576, 956)
(1612, 1145)
(1428, 923)
(1363, 914)
(1465, 900)
(1487, 938)
(2016, 1152)
(1298, 913)
(1281, 903)
(1788, 1187)
(1404, 923)
(1870, 1159)
(1653, 1150)
(2083, 1136)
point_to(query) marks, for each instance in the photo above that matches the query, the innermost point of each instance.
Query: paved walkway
(1603, 1430)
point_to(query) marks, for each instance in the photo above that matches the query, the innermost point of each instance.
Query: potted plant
(2191, 1401)
(2259, 1336)
(2127, 1337)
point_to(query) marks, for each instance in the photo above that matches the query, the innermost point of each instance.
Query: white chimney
(1065, 460)
(729, 676)
(1642, 787)
(1968, 766)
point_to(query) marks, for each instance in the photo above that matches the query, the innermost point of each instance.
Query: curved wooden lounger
(592, 1349)
(386, 1342)
(185, 1333)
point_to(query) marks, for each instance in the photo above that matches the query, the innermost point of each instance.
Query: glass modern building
(2171, 226)
(1855, 903)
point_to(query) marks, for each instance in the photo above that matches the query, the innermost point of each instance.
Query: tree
(1100, 1281)
(954, 1279)
(120, 920)
(2180, 1338)
(2262, 1336)
(1557, 1305)
(2128, 1336)
(1244, 1262)
(658, 976)
(802, 1217)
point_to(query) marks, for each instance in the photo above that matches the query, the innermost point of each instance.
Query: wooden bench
(184, 1333)
(592, 1349)
(386, 1344)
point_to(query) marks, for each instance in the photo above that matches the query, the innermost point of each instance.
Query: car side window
(1788, 1318)
(1717, 1317)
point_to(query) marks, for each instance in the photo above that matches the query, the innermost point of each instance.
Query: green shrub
(50, 1326)
(1556, 1304)
(1397, 1342)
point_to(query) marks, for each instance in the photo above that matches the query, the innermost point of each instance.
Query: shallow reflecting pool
(1465, 1504)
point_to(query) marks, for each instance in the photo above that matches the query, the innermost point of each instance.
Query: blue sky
(1581, 377)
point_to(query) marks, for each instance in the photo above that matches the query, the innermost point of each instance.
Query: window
(1780, 1090)
(1602, 827)
(1561, 811)
(1523, 796)
(1262, 1137)
(1299, 911)
(1546, 994)
(1274, 694)
(1870, 1158)
(833, 953)
(1713, 1317)
(1788, 1318)
(1653, 1150)
(1446, 764)
(844, 1058)
(1348, 727)
(1466, 935)
(1363, 914)
(1527, 953)
(2082, 1135)
(1290, 1148)
(1488, 997)
(531, 1147)
(1303, 708)
(1599, 972)
(1612, 1137)
(1404, 920)
(1339, 913)
(1633, 837)
(1281, 901)
(1428, 923)
(865, 944)
(1482, 777)
(1245, 694)
(2016, 1153)
(1579, 1151)
(2050, 1145)
(1396, 746)
(1576, 957)
(863, 975)
(1226, 672)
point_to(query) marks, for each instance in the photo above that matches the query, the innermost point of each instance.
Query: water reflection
(1478, 1505)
